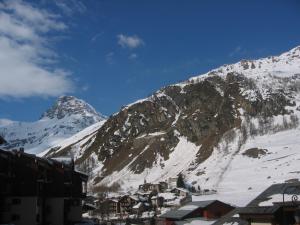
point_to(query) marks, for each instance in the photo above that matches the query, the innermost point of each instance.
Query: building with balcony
(39, 191)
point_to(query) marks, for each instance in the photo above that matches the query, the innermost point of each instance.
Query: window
(15, 217)
(84, 187)
(16, 201)
(76, 202)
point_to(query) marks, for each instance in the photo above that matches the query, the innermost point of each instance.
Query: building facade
(39, 191)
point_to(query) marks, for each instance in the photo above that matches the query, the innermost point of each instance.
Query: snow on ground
(246, 177)
(76, 141)
(42, 134)
(152, 134)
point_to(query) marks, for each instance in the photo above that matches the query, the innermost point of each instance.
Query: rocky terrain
(2, 141)
(236, 121)
(65, 118)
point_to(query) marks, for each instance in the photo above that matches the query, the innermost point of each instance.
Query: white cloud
(129, 41)
(69, 7)
(26, 61)
(133, 56)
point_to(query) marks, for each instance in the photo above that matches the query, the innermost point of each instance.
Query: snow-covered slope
(65, 118)
(239, 175)
(234, 130)
(76, 144)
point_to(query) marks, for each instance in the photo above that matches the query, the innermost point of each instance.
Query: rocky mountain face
(2, 141)
(65, 118)
(215, 129)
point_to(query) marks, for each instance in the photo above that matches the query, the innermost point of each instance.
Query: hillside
(235, 122)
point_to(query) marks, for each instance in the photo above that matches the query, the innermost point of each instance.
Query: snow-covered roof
(64, 160)
(195, 221)
(167, 195)
(180, 189)
(137, 206)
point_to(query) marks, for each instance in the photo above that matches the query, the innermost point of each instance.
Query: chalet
(172, 182)
(149, 187)
(145, 187)
(36, 191)
(180, 192)
(164, 186)
(157, 201)
(127, 202)
(204, 210)
(140, 207)
(278, 204)
(110, 206)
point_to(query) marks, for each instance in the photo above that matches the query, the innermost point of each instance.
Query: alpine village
(221, 147)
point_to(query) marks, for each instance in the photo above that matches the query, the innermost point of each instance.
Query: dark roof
(48, 163)
(184, 211)
(230, 218)
(260, 210)
(88, 206)
(288, 188)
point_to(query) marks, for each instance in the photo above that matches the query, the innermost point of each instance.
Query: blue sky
(111, 53)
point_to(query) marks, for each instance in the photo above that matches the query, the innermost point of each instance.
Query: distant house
(172, 182)
(110, 206)
(207, 210)
(164, 186)
(149, 187)
(145, 187)
(180, 191)
(127, 202)
(157, 201)
(140, 207)
(34, 190)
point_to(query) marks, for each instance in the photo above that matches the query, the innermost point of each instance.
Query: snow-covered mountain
(234, 129)
(65, 118)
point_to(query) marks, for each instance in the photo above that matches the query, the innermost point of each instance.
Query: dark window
(15, 217)
(48, 209)
(76, 202)
(38, 218)
(16, 201)
(38, 201)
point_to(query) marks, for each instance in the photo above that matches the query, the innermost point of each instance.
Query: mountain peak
(70, 105)
(294, 52)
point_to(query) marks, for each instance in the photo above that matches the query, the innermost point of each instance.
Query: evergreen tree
(180, 182)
